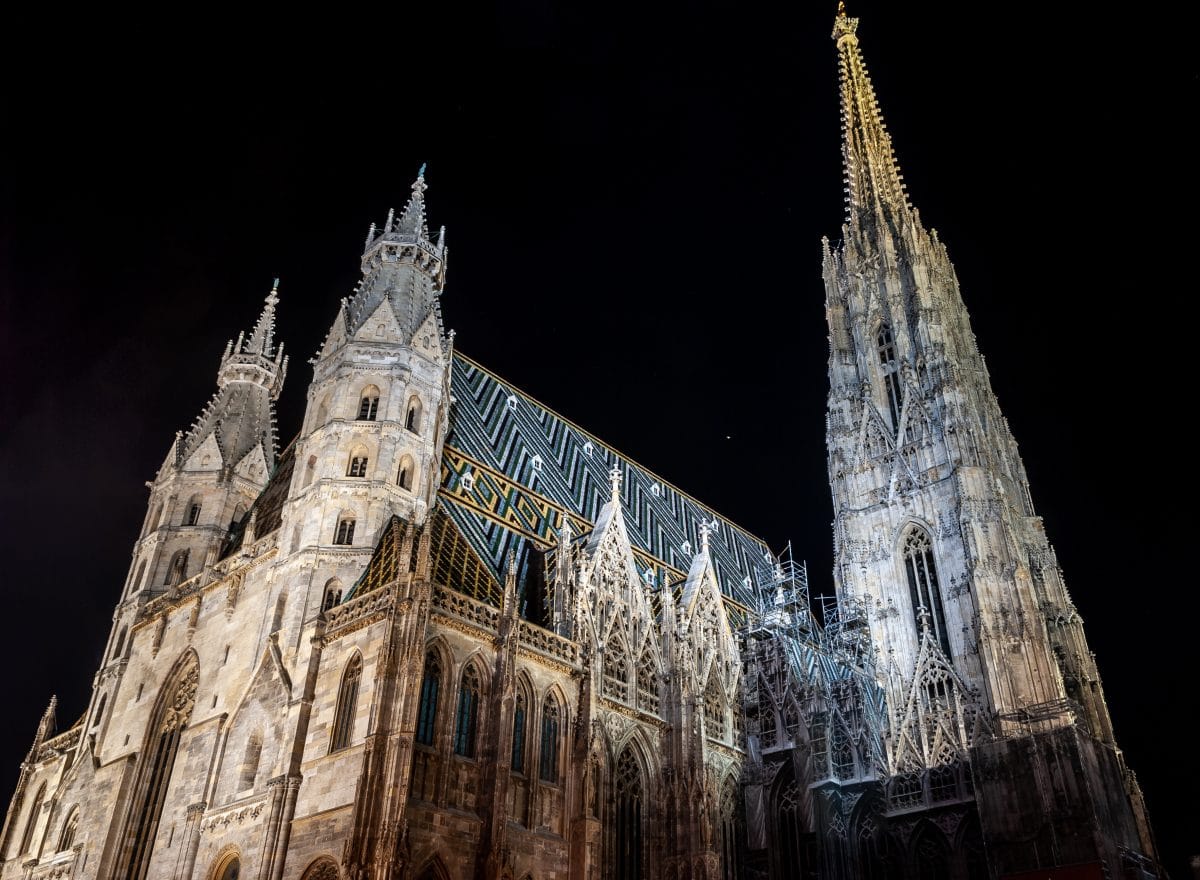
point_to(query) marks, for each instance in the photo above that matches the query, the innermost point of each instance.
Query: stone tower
(980, 649)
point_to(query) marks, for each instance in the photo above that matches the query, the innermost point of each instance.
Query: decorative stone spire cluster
(874, 185)
(242, 414)
(401, 264)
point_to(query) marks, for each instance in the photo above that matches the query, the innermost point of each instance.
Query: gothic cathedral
(445, 633)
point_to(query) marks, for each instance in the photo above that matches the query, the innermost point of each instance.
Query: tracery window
(69, 828)
(345, 531)
(518, 742)
(923, 586)
(548, 766)
(616, 671)
(727, 831)
(343, 719)
(628, 859)
(467, 717)
(427, 714)
(890, 367)
(153, 777)
(647, 683)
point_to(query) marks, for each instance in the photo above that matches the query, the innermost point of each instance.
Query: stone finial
(614, 479)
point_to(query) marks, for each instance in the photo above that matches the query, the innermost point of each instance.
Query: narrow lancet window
(627, 815)
(468, 714)
(427, 715)
(890, 367)
(343, 718)
(518, 743)
(548, 765)
(345, 531)
(923, 586)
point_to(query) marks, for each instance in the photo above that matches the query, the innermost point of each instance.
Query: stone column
(284, 832)
(275, 788)
(191, 840)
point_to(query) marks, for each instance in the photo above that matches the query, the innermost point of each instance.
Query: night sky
(634, 205)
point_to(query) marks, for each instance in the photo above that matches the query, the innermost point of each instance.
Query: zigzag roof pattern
(513, 470)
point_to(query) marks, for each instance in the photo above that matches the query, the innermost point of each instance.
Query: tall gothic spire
(874, 184)
(262, 336)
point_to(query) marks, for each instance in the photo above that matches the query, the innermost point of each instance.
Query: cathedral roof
(513, 470)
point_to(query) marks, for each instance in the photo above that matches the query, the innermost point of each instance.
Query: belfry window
(343, 719)
(468, 714)
(429, 698)
(177, 570)
(193, 513)
(890, 367)
(412, 420)
(404, 478)
(358, 466)
(548, 766)
(345, 531)
(333, 594)
(923, 586)
(368, 405)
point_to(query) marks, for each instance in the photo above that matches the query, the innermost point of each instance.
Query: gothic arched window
(250, 759)
(68, 833)
(368, 404)
(120, 645)
(467, 718)
(343, 718)
(333, 594)
(518, 743)
(31, 822)
(647, 683)
(890, 367)
(412, 419)
(923, 586)
(430, 684)
(358, 462)
(628, 858)
(177, 570)
(548, 765)
(192, 516)
(153, 777)
(345, 531)
(404, 478)
(616, 671)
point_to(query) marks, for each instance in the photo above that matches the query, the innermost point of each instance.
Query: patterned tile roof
(512, 469)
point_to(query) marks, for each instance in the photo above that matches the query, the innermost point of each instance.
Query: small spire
(704, 529)
(263, 335)
(412, 220)
(614, 479)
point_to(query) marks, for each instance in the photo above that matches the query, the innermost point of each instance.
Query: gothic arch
(346, 711)
(916, 557)
(230, 857)
(433, 869)
(629, 811)
(172, 712)
(331, 595)
(929, 853)
(322, 868)
(412, 414)
(406, 473)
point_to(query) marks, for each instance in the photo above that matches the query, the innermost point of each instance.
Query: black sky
(634, 204)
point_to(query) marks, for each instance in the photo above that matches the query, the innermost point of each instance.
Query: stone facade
(445, 633)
